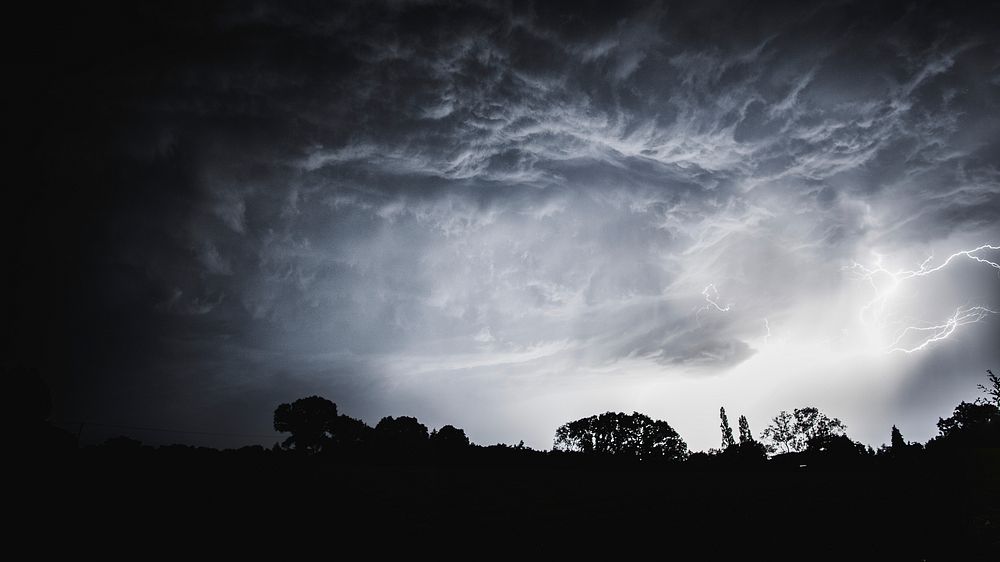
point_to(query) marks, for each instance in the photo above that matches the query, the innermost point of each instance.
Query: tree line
(803, 436)
(316, 427)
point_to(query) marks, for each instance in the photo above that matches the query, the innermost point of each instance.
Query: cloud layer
(501, 217)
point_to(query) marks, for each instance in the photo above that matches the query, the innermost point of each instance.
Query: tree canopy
(312, 422)
(971, 425)
(615, 433)
(791, 433)
(401, 432)
(449, 437)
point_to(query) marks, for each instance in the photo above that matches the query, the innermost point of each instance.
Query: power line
(165, 430)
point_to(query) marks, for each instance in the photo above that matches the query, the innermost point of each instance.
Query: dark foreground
(477, 507)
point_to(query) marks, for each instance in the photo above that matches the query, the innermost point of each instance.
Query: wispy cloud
(480, 190)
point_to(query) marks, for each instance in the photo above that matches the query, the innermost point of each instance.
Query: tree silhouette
(896, 440)
(993, 391)
(312, 422)
(635, 435)
(748, 451)
(449, 438)
(727, 432)
(975, 424)
(781, 433)
(745, 435)
(351, 431)
(404, 432)
(792, 432)
(971, 425)
(836, 445)
(811, 423)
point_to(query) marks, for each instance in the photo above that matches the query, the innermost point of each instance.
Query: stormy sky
(505, 216)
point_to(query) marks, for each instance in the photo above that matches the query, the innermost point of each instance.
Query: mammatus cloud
(412, 198)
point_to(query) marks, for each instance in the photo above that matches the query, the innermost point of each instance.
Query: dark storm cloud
(379, 190)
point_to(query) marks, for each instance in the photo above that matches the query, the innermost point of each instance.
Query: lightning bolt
(712, 298)
(767, 327)
(961, 317)
(885, 283)
(711, 295)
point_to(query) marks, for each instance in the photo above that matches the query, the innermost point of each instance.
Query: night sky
(505, 216)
